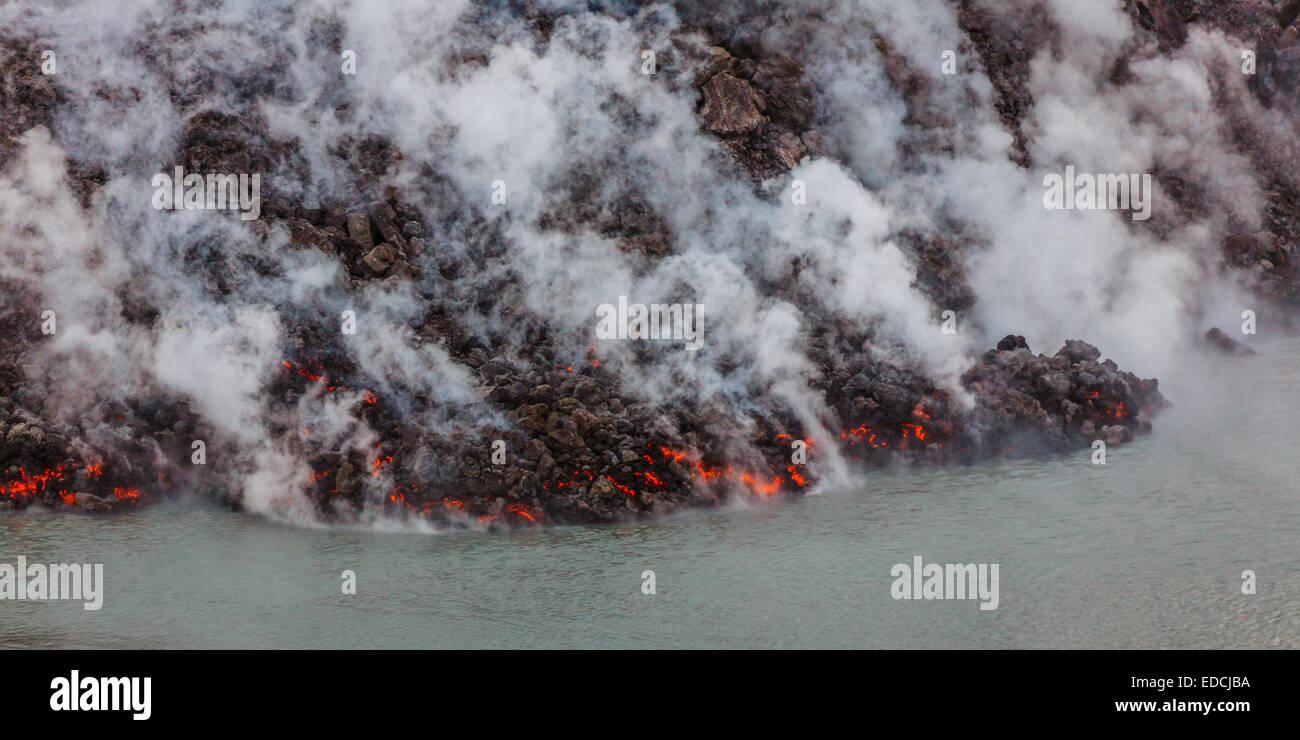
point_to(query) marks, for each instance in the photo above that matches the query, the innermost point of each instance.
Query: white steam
(470, 93)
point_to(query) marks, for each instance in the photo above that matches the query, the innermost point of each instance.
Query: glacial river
(1147, 551)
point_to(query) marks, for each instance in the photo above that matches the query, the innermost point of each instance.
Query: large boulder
(731, 105)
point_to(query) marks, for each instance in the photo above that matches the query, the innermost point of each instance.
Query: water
(1147, 551)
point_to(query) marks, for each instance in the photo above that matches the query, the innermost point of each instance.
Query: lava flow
(913, 430)
(315, 373)
(694, 466)
(26, 488)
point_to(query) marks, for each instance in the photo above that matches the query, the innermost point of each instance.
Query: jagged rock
(380, 258)
(546, 467)
(583, 420)
(346, 480)
(1117, 434)
(385, 221)
(359, 230)
(731, 106)
(1077, 351)
(1027, 403)
(1012, 342)
(789, 99)
(789, 150)
(814, 143)
(400, 272)
(719, 61)
(1057, 384)
(565, 434)
(603, 489)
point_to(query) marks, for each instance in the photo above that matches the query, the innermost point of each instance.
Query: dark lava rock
(1029, 403)
(359, 230)
(385, 220)
(761, 108)
(1226, 344)
(1074, 349)
(1009, 343)
(731, 106)
(380, 258)
(790, 100)
(579, 447)
(28, 97)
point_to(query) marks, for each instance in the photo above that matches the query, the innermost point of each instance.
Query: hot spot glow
(55, 480)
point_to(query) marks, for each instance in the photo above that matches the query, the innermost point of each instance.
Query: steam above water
(552, 103)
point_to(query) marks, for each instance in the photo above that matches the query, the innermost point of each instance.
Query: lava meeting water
(1146, 551)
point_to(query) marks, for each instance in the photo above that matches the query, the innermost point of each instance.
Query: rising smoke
(202, 310)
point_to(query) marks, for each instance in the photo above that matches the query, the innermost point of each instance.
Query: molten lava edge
(1025, 405)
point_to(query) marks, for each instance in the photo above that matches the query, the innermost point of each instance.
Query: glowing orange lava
(313, 376)
(25, 486)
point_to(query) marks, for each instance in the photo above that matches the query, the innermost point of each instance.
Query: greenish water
(1146, 551)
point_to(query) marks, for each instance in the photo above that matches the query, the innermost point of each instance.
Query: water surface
(1146, 551)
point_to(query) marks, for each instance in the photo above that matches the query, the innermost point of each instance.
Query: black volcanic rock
(1029, 403)
(731, 105)
(762, 109)
(1011, 342)
(580, 447)
(1226, 344)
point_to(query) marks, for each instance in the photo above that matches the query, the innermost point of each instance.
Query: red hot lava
(26, 487)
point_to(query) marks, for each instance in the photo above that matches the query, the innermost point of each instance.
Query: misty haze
(441, 324)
